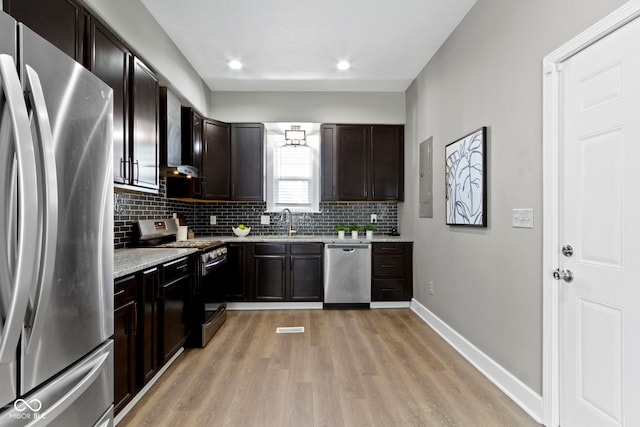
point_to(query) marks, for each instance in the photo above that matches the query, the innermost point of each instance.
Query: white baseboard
(146, 388)
(520, 393)
(305, 305)
(274, 306)
(390, 304)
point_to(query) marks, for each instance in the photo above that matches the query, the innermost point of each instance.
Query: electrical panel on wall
(425, 209)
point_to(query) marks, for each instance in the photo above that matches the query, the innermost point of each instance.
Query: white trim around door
(551, 66)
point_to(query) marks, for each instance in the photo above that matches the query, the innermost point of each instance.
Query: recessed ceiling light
(343, 65)
(235, 65)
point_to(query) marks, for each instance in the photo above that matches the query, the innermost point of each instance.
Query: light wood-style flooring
(382, 367)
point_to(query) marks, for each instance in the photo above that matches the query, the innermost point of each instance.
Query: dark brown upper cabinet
(247, 161)
(216, 160)
(136, 101)
(145, 112)
(362, 162)
(61, 22)
(110, 60)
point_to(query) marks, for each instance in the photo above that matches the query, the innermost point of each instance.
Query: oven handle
(206, 268)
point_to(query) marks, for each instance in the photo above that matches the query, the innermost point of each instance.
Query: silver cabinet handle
(15, 116)
(48, 199)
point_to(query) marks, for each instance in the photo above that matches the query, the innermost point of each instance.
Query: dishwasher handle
(348, 247)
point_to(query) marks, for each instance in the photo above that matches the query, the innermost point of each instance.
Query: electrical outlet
(213, 220)
(374, 218)
(265, 219)
(431, 288)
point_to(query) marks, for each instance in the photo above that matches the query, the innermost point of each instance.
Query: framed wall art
(465, 179)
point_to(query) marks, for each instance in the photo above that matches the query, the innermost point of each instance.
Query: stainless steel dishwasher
(347, 275)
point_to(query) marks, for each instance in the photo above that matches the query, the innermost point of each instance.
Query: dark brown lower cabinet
(150, 323)
(306, 270)
(270, 275)
(238, 278)
(177, 279)
(275, 272)
(392, 271)
(148, 326)
(124, 337)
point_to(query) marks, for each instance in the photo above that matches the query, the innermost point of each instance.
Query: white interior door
(600, 219)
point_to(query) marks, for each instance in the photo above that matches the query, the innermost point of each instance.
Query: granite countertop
(130, 260)
(332, 238)
(127, 261)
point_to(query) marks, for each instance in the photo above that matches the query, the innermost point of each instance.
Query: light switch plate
(522, 218)
(265, 219)
(213, 220)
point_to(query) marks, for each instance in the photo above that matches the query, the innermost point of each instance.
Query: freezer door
(81, 396)
(71, 303)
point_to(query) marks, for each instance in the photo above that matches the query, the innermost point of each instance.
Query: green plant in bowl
(369, 227)
(354, 227)
(341, 228)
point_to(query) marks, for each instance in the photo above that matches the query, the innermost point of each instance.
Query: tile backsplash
(132, 206)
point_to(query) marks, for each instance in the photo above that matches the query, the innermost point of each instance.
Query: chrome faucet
(290, 232)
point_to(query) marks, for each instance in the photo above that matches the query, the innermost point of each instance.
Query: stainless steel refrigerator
(56, 236)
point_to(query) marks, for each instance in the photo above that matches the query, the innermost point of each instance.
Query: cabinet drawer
(388, 266)
(388, 248)
(175, 269)
(307, 248)
(388, 290)
(125, 290)
(270, 249)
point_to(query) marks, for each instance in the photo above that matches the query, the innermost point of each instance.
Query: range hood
(171, 161)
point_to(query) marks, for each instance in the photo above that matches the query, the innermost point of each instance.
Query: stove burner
(201, 245)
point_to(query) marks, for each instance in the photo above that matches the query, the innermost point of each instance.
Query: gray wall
(319, 107)
(135, 25)
(488, 73)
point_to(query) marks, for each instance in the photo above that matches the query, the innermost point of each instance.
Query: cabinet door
(328, 169)
(124, 341)
(145, 117)
(238, 277)
(192, 150)
(109, 59)
(353, 162)
(216, 160)
(247, 161)
(269, 271)
(306, 278)
(148, 326)
(387, 163)
(173, 314)
(61, 22)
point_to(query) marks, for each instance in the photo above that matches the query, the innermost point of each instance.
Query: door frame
(551, 66)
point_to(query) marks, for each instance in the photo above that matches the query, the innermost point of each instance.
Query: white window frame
(313, 143)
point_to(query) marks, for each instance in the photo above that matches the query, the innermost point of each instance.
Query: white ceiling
(294, 45)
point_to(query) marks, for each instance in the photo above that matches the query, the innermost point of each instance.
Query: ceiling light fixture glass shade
(295, 136)
(343, 65)
(235, 65)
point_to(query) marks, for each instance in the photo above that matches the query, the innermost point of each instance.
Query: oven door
(211, 300)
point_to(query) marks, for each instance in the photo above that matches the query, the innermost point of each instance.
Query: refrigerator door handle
(72, 395)
(25, 258)
(48, 203)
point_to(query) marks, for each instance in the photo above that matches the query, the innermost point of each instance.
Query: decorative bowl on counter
(240, 232)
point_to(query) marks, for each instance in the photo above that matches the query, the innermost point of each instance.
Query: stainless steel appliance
(347, 275)
(56, 236)
(208, 300)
